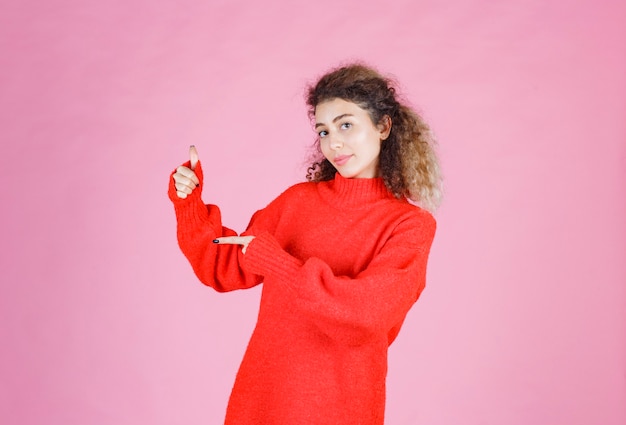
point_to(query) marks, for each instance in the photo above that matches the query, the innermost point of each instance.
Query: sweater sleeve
(374, 301)
(197, 226)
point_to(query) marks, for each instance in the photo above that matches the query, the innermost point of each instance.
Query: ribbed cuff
(265, 257)
(171, 191)
(190, 209)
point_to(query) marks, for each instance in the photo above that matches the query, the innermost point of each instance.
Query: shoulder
(424, 216)
(411, 221)
(289, 199)
(290, 202)
(409, 211)
(299, 188)
(296, 192)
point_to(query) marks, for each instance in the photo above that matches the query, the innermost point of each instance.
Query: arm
(374, 301)
(197, 226)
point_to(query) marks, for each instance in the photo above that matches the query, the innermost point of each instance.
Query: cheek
(324, 148)
(371, 143)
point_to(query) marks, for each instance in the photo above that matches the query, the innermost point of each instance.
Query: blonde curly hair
(408, 163)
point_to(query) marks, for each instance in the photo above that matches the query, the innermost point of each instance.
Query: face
(349, 139)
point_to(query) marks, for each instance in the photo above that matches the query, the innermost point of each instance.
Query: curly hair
(407, 162)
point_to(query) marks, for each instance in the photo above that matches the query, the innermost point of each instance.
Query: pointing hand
(244, 241)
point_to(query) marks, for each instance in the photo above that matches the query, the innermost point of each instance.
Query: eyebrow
(337, 118)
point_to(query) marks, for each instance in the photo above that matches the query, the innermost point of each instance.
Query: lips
(341, 159)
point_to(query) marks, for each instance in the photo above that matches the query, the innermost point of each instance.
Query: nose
(335, 141)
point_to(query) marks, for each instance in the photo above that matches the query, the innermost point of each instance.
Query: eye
(322, 133)
(346, 125)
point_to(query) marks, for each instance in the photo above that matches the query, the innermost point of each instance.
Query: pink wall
(101, 320)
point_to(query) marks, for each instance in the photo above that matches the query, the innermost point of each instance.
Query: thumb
(193, 156)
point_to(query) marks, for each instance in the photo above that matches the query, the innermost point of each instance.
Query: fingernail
(216, 241)
(192, 146)
(197, 184)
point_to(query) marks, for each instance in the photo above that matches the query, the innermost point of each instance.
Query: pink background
(101, 319)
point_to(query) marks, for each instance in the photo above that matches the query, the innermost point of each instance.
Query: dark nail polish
(216, 241)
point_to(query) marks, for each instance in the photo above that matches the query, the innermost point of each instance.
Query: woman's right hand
(185, 179)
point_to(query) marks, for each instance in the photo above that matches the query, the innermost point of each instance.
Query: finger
(193, 156)
(184, 188)
(181, 195)
(181, 179)
(183, 172)
(180, 182)
(231, 240)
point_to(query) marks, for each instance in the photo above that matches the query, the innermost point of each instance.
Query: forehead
(328, 110)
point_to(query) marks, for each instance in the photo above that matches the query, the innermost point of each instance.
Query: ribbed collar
(351, 193)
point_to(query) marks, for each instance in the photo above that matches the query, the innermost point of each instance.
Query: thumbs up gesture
(185, 178)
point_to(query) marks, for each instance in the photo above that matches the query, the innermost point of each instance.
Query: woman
(342, 257)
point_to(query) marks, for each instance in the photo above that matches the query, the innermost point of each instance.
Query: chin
(359, 174)
(347, 175)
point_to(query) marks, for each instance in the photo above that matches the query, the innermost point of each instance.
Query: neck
(355, 192)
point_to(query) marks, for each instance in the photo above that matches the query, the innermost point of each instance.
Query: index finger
(232, 240)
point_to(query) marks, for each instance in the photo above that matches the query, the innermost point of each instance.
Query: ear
(384, 127)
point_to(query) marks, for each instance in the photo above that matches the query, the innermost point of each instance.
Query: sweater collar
(345, 192)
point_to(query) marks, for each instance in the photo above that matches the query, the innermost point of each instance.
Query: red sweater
(341, 264)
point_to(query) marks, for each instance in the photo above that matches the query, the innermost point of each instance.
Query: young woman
(342, 257)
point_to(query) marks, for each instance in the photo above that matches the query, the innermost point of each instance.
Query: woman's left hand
(244, 241)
